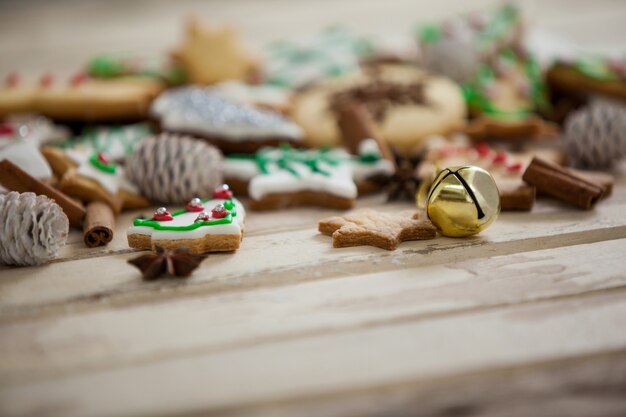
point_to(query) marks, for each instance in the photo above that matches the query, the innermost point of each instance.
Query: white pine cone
(595, 136)
(174, 169)
(33, 229)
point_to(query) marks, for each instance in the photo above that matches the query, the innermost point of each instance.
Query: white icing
(25, 155)
(253, 94)
(116, 142)
(111, 182)
(369, 146)
(362, 171)
(190, 114)
(185, 219)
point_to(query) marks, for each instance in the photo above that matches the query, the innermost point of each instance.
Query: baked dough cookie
(406, 103)
(211, 54)
(212, 225)
(81, 99)
(587, 76)
(204, 113)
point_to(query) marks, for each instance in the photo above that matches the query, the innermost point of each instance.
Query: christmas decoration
(178, 262)
(33, 229)
(174, 169)
(595, 136)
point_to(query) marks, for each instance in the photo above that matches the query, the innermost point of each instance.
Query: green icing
(108, 168)
(120, 65)
(228, 205)
(430, 33)
(101, 140)
(596, 67)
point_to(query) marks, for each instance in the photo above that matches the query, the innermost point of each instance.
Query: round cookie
(407, 105)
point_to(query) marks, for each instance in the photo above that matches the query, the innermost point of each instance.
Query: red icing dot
(195, 205)
(78, 79)
(46, 80)
(162, 215)
(12, 80)
(6, 129)
(483, 149)
(500, 157)
(222, 192)
(516, 167)
(219, 212)
(104, 158)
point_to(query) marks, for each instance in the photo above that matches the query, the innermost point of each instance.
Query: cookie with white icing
(276, 178)
(231, 126)
(406, 103)
(98, 178)
(210, 225)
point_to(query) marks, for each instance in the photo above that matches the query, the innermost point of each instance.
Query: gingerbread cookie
(505, 167)
(212, 225)
(276, 178)
(577, 78)
(108, 66)
(117, 142)
(406, 103)
(80, 99)
(229, 125)
(100, 179)
(213, 54)
(373, 228)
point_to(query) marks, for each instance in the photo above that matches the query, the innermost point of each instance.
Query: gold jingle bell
(463, 201)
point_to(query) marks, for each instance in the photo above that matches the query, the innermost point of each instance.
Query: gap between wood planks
(353, 360)
(167, 330)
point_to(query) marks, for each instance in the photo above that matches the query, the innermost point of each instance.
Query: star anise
(177, 262)
(404, 183)
(379, 96)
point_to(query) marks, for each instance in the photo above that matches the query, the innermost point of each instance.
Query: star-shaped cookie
(212, 54)
(373, 228)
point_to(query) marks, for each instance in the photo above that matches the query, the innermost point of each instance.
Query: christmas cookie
(504, 98)
(117, 142)
(79, 99)
(109, 66)
(18, 145)
(100, 179)
(276, 178)
(229, 125)
(265, 96)
(587, 76)
(212, 54)
(406, 103)
(372, 228)
(457, 47)
(211, 225)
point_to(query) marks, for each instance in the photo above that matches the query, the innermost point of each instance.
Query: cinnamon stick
(559, 182)
(98, 225)
(14, 178)
(356, 125)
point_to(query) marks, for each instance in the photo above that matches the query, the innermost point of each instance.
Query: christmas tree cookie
(211, 225)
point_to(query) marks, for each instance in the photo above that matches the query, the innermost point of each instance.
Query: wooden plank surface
(526, 319)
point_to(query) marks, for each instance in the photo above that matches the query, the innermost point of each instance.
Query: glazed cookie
(276, 178)
(504, 98)
(264, 96)
(117, 142)
(406, 103)
(211, 225)
(81, 99)
(589, 76)
(108, 66)
(231, 126)
(100, 179)
(213, 54)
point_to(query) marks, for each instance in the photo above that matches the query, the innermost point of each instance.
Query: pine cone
(33, 229)
(453, 58)
(595, 136)
(173, 169)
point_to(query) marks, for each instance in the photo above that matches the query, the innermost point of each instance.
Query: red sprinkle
(6, 129)
(202, 217)
(483, 149)
(12, 80)
(222, 192)
(46, 80)
(78, 79)
(198, 208)
(104, 158)
(516, 167)
(500, 157)
(162, 217)
(219, 213)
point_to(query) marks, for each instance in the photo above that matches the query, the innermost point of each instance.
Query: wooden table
(529, 318)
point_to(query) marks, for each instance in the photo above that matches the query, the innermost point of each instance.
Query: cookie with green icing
(204, 225)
